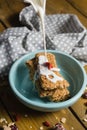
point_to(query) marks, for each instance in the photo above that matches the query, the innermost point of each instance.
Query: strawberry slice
(49, 65)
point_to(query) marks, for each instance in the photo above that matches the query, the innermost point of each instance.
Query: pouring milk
(39, 6)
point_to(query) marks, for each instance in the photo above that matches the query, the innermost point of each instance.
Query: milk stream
(39, 6)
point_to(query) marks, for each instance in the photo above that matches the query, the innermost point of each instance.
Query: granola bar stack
(46, 77)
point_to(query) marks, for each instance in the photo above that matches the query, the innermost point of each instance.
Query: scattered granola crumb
(63, 120)
(85, 118)
(3, 120)
(56, 117)
(58, 126)
(26, 115)
(11, 123)
(7, 126)
(30, 127)
(72, 128)
(41, 127)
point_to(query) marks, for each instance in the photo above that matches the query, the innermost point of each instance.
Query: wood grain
(9, 11)
(79, 108)
(28, 117)
(80, 6)
(2, 26)
(62, 6)
(3, 113)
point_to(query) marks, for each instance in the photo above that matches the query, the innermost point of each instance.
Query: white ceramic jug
(37, 4)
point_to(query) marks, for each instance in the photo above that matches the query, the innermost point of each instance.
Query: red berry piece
(84, 95)
(46, 123)
(48, 64)
(59, 126)
(14, 127)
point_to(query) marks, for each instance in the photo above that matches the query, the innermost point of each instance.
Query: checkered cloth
(63, 32)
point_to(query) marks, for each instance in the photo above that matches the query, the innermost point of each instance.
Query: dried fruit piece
(4, 125)
(48, 64)
(59, 126)
(46, 123)
(13, 127)
(84, 95)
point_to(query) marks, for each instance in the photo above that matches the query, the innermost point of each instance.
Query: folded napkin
(63, 32)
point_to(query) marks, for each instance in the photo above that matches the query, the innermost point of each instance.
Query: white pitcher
(37, 4)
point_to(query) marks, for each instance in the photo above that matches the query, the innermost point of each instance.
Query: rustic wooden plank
(62, 6)
(2, 26)
(80, 109)
(9, 11)
(5, 119)
(3, 113)
(80, 6)
(30, 118)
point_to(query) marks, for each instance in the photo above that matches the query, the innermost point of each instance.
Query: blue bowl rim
(52, 105)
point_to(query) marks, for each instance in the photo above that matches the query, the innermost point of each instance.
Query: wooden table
(10, 108)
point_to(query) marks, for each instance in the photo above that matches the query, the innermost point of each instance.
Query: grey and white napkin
(63, 32)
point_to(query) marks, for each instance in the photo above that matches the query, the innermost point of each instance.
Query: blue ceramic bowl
(23, 88)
